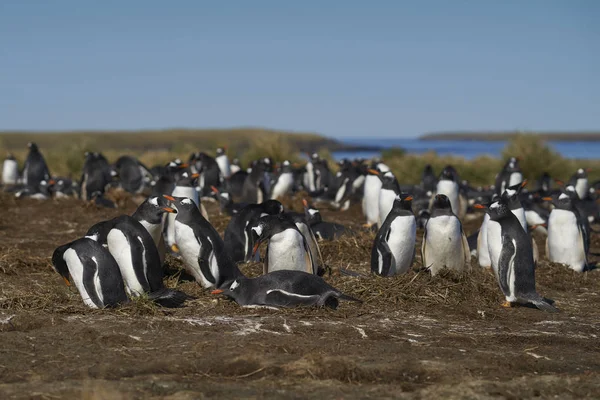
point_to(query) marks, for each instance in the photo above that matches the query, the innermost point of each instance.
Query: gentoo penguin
(235, 166)
(580, 181)
(287, 248)
(184, 188)
(509, 176)
(284, 182)
(342, 196)
(284, 288)
(165, 183)
(238, 235)
(93, 270)
(372, 187)
(200, 246)
(393, 250)
(566, 242)
(483, 251)
(309, 176)
(444, 242)
(151, 214)
(137, 256)
(208, 170)
(516, 268)
(10, 170)
(428, 179)
(96, 175)
(390, 189)
(42, 192)
(226, 204)
(223, 162)
(322, 229)
(448, 186)
(254, 190)
(131, 174)
(64, 187)
(35, 169)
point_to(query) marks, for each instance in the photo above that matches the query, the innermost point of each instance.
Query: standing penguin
(448, 186)
(132, 174)
(483, 251)
(223, 162)
(516, 268)
(309, 178)
(210, 174)
(151, 214)
(235, 166)
(10, 170)
(284, 182)
(510, 175)
(566, 242)
(202, 249)
(393, 250)
(96, 175)
(444, 242)
(390, 189)
(254, 190)
(35, 169)
(428, 179)
(580, 181)
(137, 256)
(93, 270)
(287, 248)
(238, 235)
(372, 187)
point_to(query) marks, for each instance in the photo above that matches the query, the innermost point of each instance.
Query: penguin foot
(367, 226)
(507, 304)
(175, 248)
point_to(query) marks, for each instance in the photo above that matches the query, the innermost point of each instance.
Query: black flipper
(89, 271)
(169, 298)
(542, 304)
(279, 298)
(507, 253)
(204, 259)
(380, 246)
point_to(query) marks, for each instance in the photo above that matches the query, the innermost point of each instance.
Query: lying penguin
(284, 288)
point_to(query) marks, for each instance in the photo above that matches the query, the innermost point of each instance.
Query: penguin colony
(123, 258)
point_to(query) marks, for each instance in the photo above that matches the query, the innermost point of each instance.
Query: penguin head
(441, 202)
(312, 214)
(235, 161)
(59, 264)
(182, 206)
(511, 195)
(563, 200)
(403, 202)
(581, 173)
(571, 192)
(272, 207)
(498, 210)
(220, 151)
(32, 147)
(449, 174)
(187, 179)
(387, 178)
(153, 208)
(238, 290)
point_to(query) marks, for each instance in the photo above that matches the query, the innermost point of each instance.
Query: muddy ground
(414, 337)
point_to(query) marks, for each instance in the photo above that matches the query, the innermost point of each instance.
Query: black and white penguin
(284, 182)
(302, 223)
(93, 270)
(151, 214)
(64, 188)
(483, 251)
(35, 169)
(165, 183)
(372, 187)
(202, 249)
(428, 179)
(132, 174)
(516, 268)
(287, 248)
(238, 235)
(309, 179)
(42, 192)
(134, 250)
(444, 242)
(566, 242)
(322, 229)
(510, 175)
(226, 204)
(254, 189)
(223, 163)
(448, 186)
(208, 170)
(393, 250)
(344, 190)
(580, 181)
(235, 166)
(284, 288)
(96, 175)
(10, 170)
(390, 189)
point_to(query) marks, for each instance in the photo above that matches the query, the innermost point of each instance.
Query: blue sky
(341, 68)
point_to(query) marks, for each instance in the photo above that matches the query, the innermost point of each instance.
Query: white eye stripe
(153, 201)
(234, 285)
(563, 196)
(312, 211)
(186, 201)
(258, 229)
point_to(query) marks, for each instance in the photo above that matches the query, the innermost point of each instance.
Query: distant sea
(466, 149)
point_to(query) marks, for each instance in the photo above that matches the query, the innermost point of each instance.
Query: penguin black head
(187, 179)
(572, 193)
(182, 205)
(152, 209)
(238, 290)
(272, 207)
(403, 202)
(511, 195)
(581, 173)
(499, 210)
(561, 201)
(59, 264)
(388, 180)
(441, 202)
(312, 214)
(220, 151)
(449, 174)
(235, 162)
(32, 147)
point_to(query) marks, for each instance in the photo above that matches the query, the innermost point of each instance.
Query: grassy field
(64, 151)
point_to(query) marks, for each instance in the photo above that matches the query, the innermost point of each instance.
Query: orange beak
(184, 165)
(479, 206)
(194, 176)
(214, 189)
(547, 198)
(217, 291)
(67, 282)
(372, 171)
(305, 203)
(409, 198)
(255, 249)
(559, 182)
(524, 183)
(170, 210)
(170, 198)
(51, 182)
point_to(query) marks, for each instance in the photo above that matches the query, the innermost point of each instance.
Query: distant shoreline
(592, 136)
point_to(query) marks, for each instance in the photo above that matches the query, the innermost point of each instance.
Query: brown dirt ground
(414, 337)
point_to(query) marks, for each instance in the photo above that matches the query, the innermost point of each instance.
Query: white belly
(286, 251)
(403, 234)
(120, 250)
(370, 203)
(76, 270)
(358, 182)
(483, 253)
(309, 177)
(386, 202)
(155, 230)
(581, 187)
(494, 239)
(189, 248)
(223, 163)
(10, 172)
(565, 244)
(233, 169)
(444, 245)
(283, 186)
(520, 214)
(450, 189)
(515, 179)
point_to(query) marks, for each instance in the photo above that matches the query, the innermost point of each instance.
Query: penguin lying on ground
(393, 250)
(42, 192)
(516, 268)
(284, 289)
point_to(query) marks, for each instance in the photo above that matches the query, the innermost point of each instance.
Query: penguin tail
(543, 304)
(343, 296)
(169, 298)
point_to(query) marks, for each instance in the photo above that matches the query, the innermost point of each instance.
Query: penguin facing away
(93, 271)
(287, 248)
(565, 243)
(284, 288)
(393, 250)
(284, 182)
(516, 268)
(444, 242)
(202, 249)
